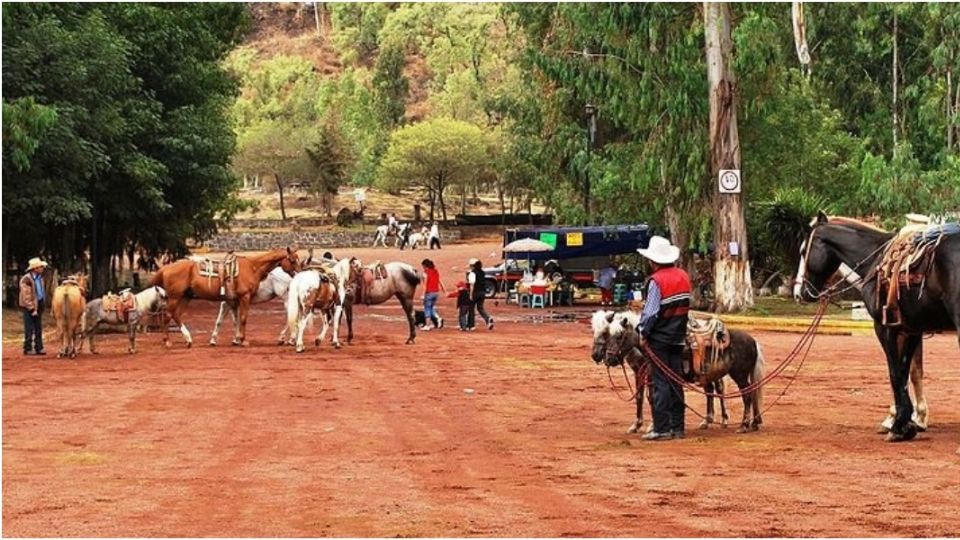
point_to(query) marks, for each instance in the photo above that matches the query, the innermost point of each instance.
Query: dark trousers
(464, 317)
(477, 307)
(668, 401)
(434, 242)
(33, 329)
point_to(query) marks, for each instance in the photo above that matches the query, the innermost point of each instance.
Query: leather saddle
(369, 275)
(122, 303)
(707, 339)
(225, 270)
(905, 263)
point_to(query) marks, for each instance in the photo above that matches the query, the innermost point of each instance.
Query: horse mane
(853, 222)
(617, 327)
(598, 322)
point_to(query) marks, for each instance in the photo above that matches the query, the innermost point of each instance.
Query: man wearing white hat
(32, 300)
(663, 325)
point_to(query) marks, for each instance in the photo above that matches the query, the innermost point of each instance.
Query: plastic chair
(538, 295)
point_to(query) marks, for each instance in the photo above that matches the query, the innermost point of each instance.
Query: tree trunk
(283, 211)
(463, 199)
(732, 284)
(316, 16)
(895, 120)
(443, 206)
(503, 203)
(949, 112)
(99, 256)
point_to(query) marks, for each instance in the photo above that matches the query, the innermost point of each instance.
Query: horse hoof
(59, 355)
(336, 345)
(316, 342)
(743, 429)
(907, 435)
(300, 349)
(883, 429)
(213, 343)
(704, 425)
(634, 428)
(189, 344)
(410, 341)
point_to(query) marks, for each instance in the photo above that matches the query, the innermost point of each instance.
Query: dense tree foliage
(115, 128)
(117, 132)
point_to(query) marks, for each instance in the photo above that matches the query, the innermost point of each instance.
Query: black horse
(856, 250)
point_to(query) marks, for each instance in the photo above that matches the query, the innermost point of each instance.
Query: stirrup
(886, 320)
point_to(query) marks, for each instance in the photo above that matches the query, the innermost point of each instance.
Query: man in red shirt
(663, 325)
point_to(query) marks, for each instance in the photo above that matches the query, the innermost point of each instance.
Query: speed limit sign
(729, 181)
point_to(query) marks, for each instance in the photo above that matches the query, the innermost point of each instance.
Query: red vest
(671, 324)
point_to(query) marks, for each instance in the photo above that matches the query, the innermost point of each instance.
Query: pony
(384, 231)
(600, 324)
(856, 250)
(743, 361)
(146, 303)
(275, 285)
(400, 281)
(183, 282)
(418, 238)
(314, 290)
(69, 303)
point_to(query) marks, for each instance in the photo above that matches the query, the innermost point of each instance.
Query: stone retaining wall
(263, 241)
(254, 223)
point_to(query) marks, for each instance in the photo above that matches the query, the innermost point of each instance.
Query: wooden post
(732, 284)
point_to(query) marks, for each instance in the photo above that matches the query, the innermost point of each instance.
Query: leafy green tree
(138, 150)
(435, 154)
(330, 162)
(390, 87)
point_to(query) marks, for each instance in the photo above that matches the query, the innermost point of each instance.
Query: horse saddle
(122, 303)
(706, 335)
(906, 262)
(215, 268)
(368, 275)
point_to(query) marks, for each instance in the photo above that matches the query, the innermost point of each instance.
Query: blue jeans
(33, 329)
(668, 398)
(430, 305)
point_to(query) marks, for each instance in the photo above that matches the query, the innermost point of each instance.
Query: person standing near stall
(475, 279)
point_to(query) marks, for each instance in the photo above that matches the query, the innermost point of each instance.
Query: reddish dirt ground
(385, 439)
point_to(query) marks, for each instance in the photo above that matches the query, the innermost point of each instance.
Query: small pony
(69, 303)
(149, 302)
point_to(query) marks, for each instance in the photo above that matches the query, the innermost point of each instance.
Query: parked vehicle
(578, 253)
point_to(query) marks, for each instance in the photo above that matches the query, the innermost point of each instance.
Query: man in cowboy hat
(663, 325)
(32, 300)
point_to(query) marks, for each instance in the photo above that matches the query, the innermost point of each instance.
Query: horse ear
(624, 323)
(610, 317)
(822, 218)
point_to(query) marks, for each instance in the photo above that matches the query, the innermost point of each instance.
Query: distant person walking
(431, 293)
(32, 302)
(434, 237)
(475, 279)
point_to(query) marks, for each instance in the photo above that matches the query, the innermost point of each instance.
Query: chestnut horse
(183, 282)
(69, 304)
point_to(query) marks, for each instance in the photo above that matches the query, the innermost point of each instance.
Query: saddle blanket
(211, 268)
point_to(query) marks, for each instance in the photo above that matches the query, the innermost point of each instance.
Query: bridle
(851, 276)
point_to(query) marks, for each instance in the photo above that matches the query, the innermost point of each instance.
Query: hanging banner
(574, 239)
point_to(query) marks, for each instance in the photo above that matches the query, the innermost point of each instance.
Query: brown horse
(183, 282)
(69, 304)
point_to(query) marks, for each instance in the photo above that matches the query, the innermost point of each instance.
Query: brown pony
(183, 282)
(69, 305)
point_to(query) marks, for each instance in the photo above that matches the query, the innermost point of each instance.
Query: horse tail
(411, 276)
(293, 308)
(757, 377)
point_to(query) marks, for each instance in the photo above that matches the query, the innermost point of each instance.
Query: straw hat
(35, 263)
(660, 251)
(473, 261)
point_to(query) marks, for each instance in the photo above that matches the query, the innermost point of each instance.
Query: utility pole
(591, 112)
(733, 288)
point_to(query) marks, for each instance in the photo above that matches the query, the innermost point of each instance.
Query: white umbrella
(527, 245)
